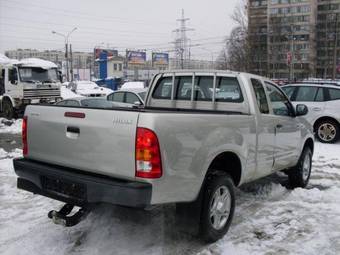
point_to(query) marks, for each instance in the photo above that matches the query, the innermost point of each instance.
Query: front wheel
(300, 174)
(218, 207)
(327, 131)
(8, 109)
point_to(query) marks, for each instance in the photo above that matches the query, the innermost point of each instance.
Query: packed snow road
(269, 219)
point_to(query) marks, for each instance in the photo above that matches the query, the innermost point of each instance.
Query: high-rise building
(291, 34)
(295, 39)
(328, 39)
(258, 31)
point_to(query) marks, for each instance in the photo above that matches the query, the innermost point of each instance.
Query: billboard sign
(136, 57)
(160, 59)
(109, 52)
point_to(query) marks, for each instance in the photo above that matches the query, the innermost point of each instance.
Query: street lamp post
(66, 37)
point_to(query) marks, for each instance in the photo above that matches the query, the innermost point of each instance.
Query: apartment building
(298, 38)
(258, 39)
(328, 39)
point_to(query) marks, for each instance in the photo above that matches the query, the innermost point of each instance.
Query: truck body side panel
(190, 142)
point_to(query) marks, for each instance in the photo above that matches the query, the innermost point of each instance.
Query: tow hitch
(62, 217)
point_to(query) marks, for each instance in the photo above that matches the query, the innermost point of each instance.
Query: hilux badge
(122, 121)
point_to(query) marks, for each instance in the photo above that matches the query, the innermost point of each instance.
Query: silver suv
(323, 102)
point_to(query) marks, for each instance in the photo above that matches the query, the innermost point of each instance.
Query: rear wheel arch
(310, 144)
(228, 163)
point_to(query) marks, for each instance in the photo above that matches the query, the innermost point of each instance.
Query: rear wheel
(8, 110)
(218, 207)
(327, 131)
(300, 174)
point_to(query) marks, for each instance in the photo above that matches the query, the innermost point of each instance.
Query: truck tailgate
(100, 141)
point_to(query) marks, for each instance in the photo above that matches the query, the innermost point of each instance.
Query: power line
(79, 15)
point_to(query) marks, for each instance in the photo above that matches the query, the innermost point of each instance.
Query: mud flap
(62, 217)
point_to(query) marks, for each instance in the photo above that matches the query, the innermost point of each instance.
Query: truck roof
(27, 62)
(36, 62)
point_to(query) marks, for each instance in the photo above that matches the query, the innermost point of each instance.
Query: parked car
(323, 102)
(128, 97)
(186, 148)
(89, 89)
(86, 102)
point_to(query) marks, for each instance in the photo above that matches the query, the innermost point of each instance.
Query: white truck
(24, 82)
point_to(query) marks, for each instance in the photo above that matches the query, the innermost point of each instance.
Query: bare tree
(236, 50)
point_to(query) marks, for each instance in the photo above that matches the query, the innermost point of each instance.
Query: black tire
(333, 130)
(299, 176)
(7, 109)
(216, 184)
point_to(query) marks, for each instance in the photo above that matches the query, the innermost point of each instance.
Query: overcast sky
(138, 24)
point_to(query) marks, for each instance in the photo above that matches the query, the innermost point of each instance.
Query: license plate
(64, 188)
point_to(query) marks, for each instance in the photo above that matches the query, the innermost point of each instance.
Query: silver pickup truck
(200, 134)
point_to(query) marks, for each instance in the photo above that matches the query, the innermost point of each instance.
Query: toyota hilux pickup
(199, 135)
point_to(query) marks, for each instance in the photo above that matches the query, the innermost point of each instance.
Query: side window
(68, 103)
(63, 103)
(260, 96)
(320, 95)
(72, 103)
(117, 97)
(334, 94)
(163, 88)
(228, 90)
(278, 100)
(13, 75)
(131, 98)
(306, 94)
(289, 91)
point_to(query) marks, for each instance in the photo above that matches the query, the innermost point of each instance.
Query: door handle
(75, 130)
(278, 126)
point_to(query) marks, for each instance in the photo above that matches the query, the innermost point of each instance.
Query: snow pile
(10, 126)
(66, 93)
(37, 62)
(269, 219)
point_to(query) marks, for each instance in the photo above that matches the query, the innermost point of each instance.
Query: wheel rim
(327, 132)
(306, 167)
(220, 207)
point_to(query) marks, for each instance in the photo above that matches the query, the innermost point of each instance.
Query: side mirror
(301, 110)
(14, 82)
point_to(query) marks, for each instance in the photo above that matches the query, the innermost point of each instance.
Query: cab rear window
(227, 89)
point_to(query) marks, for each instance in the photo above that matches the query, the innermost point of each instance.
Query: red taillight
(148, 156)
(24, 136)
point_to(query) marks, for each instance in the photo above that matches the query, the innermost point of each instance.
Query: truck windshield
(37, 74)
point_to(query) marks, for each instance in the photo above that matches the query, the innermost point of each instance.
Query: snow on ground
(269, 219)
(10, 126)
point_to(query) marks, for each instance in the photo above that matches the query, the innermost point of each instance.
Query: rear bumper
(91, 188)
